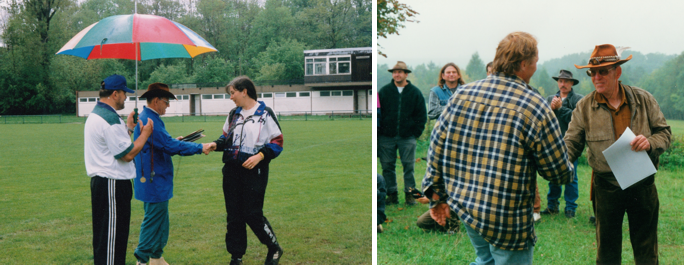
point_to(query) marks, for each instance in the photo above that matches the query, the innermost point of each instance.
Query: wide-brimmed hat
(116, 82)
(604, 55)
(565, 74)
(158, 90)
(400, 66)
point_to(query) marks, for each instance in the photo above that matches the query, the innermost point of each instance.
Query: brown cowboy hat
(565, 74)
(604, 55)
(400, 66)
(158, 90)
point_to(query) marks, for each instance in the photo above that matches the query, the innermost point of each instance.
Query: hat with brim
(604, 55)
(116, 82)
(158, 90)
(565, 74)
(400, 66)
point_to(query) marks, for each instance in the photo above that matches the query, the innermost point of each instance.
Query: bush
(673, 158)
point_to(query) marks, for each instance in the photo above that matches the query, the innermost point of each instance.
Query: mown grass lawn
(317, 200)
(560, 240)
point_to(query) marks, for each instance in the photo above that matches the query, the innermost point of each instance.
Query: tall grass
(317, 198)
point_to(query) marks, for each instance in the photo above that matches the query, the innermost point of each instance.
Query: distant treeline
(264, 41)
(662, 75)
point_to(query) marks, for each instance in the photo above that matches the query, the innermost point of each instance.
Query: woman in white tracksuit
(251, 139)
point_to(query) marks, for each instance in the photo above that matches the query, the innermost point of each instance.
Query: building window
(309, 67)
(336, 93)
(280, 94)
(343, 65)
(332, 65)
(131, 98)
(304, 94)
(266, 95)
(218, 96)
(291, 94)
(325, 93)
(319, 66)
(186, 97)
(348, 93)
(206, 96)
(91, 100)
(83, 100)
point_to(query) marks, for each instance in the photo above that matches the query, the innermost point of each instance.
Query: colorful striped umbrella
(136, 37)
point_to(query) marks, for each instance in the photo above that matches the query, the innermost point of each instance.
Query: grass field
(560, 240)
(317, 200)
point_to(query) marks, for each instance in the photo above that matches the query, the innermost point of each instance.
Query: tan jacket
(592, 124)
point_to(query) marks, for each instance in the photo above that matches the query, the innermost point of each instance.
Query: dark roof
(343, 51)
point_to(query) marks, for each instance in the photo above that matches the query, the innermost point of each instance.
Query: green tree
(476, 68)
(171, 74)
(391, 17)
(214, 69)
(287, 56)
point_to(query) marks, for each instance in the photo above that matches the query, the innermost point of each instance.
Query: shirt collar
(602, 99)
(106, 106)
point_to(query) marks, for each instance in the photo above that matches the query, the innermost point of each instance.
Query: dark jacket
(564, 113)
(402, 114)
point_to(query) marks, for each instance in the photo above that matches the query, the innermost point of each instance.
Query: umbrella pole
(135, 116)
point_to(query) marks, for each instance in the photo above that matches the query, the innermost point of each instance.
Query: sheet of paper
(629, 167)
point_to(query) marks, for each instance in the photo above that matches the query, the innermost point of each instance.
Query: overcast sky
(451, 31)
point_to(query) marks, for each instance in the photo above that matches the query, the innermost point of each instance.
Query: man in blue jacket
(154, 178)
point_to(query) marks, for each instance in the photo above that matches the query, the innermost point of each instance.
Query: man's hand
(423, 200)
(440, 213)
(146, 129)
(179, 138)
(640, 143)
(556, 103)
(253, 161)
(129, 121)
(208, 147)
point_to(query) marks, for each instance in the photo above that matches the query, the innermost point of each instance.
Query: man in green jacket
(598, 120)
(403, 120)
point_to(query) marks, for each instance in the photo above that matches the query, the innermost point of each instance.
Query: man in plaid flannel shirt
(486, 150)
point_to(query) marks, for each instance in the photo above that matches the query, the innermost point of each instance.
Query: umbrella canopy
(136, 37)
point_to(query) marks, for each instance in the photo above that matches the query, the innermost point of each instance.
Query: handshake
(208, 147)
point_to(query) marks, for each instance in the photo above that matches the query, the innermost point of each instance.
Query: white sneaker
(536, 216)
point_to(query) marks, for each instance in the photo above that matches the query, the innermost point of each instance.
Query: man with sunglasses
(154, 175)
(598, 121)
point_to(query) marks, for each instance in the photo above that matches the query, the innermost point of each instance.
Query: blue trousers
(488, 254)
(154, 231)
(571, 194)
(387, 151)
(382, 192)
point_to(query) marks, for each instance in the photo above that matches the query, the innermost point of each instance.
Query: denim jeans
(387, 151)
(571, 194)
(488, 254)
(382, 192)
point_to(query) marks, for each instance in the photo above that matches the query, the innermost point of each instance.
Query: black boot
(392, 198)
(274, 255)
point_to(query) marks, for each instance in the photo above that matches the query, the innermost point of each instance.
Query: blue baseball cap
(116, 82)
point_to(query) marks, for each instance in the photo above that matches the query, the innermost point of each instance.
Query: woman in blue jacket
(251, 139)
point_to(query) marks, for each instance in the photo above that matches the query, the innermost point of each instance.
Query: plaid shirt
(485, 150)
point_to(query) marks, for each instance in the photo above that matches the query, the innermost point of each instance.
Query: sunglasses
(602, 72)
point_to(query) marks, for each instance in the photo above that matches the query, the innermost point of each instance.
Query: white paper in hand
(629, 167)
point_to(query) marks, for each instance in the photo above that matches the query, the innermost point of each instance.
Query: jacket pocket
(599, 136)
